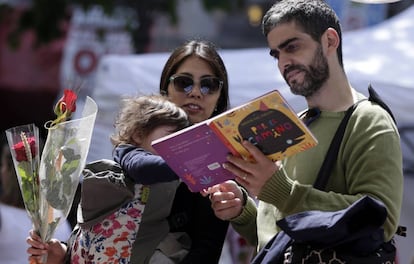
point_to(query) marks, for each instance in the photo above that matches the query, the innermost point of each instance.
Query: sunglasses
(185, 84)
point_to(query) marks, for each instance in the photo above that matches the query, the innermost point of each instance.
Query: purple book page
(197, 156)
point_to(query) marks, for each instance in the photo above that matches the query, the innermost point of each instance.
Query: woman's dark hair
(206, 51)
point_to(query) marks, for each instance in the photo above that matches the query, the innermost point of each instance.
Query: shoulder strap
(333, 150)
(374, 97)
(330, 158)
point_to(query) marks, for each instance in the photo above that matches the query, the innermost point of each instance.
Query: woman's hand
(252, 175)
(55, 250)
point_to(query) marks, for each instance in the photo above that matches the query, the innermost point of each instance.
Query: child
(137, 231)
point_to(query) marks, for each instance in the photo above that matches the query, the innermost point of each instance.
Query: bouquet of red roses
(48, 183)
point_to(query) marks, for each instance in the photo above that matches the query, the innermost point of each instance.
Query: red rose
(242, 242)
(67, 103)
(21, 151)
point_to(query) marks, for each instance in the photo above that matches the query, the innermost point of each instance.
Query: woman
(195, 78)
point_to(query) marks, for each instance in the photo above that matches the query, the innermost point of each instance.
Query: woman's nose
(196, 91)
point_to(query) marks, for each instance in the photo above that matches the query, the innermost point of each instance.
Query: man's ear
(330, 40)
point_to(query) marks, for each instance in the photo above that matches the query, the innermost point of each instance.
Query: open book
(197, 153)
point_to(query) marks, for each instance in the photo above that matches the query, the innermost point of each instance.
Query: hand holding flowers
(48, 185)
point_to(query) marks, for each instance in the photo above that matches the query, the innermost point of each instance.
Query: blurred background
(46, 46)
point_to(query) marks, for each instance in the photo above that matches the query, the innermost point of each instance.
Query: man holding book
(304, 37)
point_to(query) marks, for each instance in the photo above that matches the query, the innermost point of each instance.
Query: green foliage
(28, 186)
(59, 182)
(45, 17)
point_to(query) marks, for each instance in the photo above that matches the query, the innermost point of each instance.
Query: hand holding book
(197, 153)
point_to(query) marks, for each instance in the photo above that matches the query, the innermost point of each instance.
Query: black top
(192, 213)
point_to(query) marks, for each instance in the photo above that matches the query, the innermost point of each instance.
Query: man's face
(301, 60)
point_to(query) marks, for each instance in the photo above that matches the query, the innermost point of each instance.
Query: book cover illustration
(197, 156)
(267, 122)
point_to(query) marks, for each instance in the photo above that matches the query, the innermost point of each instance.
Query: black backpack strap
(374, 97)
(333, 150)
(331, 155)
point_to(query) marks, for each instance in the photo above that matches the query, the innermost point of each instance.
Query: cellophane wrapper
(48, 190)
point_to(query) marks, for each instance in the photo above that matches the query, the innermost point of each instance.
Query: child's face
(157, 133)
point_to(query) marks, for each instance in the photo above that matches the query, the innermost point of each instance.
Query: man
(304, 36)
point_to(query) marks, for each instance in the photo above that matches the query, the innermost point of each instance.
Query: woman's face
(198, 106)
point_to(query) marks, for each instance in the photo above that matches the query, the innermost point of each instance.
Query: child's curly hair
(142, 114)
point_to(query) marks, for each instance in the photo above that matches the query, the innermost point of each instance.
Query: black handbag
(352, 235)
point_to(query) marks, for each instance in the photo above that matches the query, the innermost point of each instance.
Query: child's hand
(226, 199)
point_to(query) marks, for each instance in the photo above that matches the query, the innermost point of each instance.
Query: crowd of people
(305, 39)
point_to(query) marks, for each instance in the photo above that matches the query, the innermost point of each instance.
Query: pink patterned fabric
(110, 241)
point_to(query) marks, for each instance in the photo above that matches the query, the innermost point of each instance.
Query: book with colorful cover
(197, 153)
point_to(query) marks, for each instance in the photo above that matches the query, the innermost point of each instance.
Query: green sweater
(369, 163)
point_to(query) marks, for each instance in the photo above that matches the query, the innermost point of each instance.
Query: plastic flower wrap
(49, 184)
(24, 146)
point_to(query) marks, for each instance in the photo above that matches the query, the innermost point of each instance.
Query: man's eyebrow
(275, 52)
(286, 42)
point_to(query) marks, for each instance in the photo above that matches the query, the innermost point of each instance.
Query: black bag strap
(331, 155)
(374, 97)
(333, 150)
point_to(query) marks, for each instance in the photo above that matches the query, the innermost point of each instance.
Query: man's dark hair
(313, 16)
